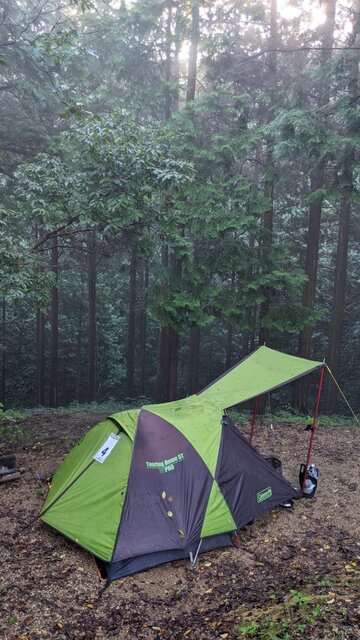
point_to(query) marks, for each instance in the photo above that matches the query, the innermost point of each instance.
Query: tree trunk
(92, 317)
(130, 351)
(267, 226)
(160, 385)
(143, 328)
(338, 299)
(194, 44)
(166, 381)
(167, 91)
(3, 352)
(266, 249)
(79, 352)
(54, 326)
(229, 347)
(40, 357)
(314, 222)
(173, 344)
(311, 266)
(176, 63)
(194, 359)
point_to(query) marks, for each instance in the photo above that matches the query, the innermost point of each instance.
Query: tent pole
(253, 420)
(313, 428)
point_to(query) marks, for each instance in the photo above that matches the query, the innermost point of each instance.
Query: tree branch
(53, 233)
(295, 49)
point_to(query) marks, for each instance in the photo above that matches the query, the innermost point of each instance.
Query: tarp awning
(263, 370)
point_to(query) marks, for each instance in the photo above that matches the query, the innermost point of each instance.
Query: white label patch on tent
(107, 447)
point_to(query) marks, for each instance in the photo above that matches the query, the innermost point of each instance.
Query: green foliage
(301, 611)
(85, 147)
(10, 429)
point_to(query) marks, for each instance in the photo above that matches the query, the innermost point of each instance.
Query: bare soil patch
(302, 563)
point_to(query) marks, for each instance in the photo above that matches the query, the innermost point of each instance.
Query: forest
(179, 185)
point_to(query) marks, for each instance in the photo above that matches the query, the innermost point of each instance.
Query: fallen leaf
(90, 606)
(59, 625)
(208, 591)
(224, 635)
(187, 632)
(156, 628)
(207, 564)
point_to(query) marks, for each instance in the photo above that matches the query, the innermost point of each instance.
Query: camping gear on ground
(169, 481)
(8, 469)
(309, 484)
(287, 504)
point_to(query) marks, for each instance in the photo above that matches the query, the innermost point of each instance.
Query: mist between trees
(179, 184)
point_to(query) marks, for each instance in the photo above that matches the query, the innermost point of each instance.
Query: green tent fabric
(263, 370)
(150, 485)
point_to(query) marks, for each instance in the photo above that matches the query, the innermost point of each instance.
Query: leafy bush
(10, 429)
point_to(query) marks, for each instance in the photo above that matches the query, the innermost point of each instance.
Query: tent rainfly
(168, 481)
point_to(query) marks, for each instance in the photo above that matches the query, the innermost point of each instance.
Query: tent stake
(193, 559)
(253, 419)
(313, 428)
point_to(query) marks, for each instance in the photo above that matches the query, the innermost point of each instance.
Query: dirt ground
(295, 572)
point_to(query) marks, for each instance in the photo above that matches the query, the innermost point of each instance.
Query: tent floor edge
(123, 568)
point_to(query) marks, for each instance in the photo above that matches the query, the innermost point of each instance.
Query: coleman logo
(265, 494)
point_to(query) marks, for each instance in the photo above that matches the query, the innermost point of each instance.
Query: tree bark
(229, 347)
(194, 359)
(166, 381)
(40, 357)
(92, 317)
(176, 63)
(338, 304)
(193, 52)
(163, 358)
(173, 344)
(79, 352)
(346, 181)
(168, 65)
(267, 226)
(54, 326)
(3, 351)
(143, 328)
(130, 351)
(314, 221)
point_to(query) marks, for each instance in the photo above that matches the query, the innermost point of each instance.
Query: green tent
(168, 481)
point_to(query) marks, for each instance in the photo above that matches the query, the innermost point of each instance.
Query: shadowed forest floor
(295, 573)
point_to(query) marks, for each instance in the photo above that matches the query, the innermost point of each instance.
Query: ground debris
(308, 567)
